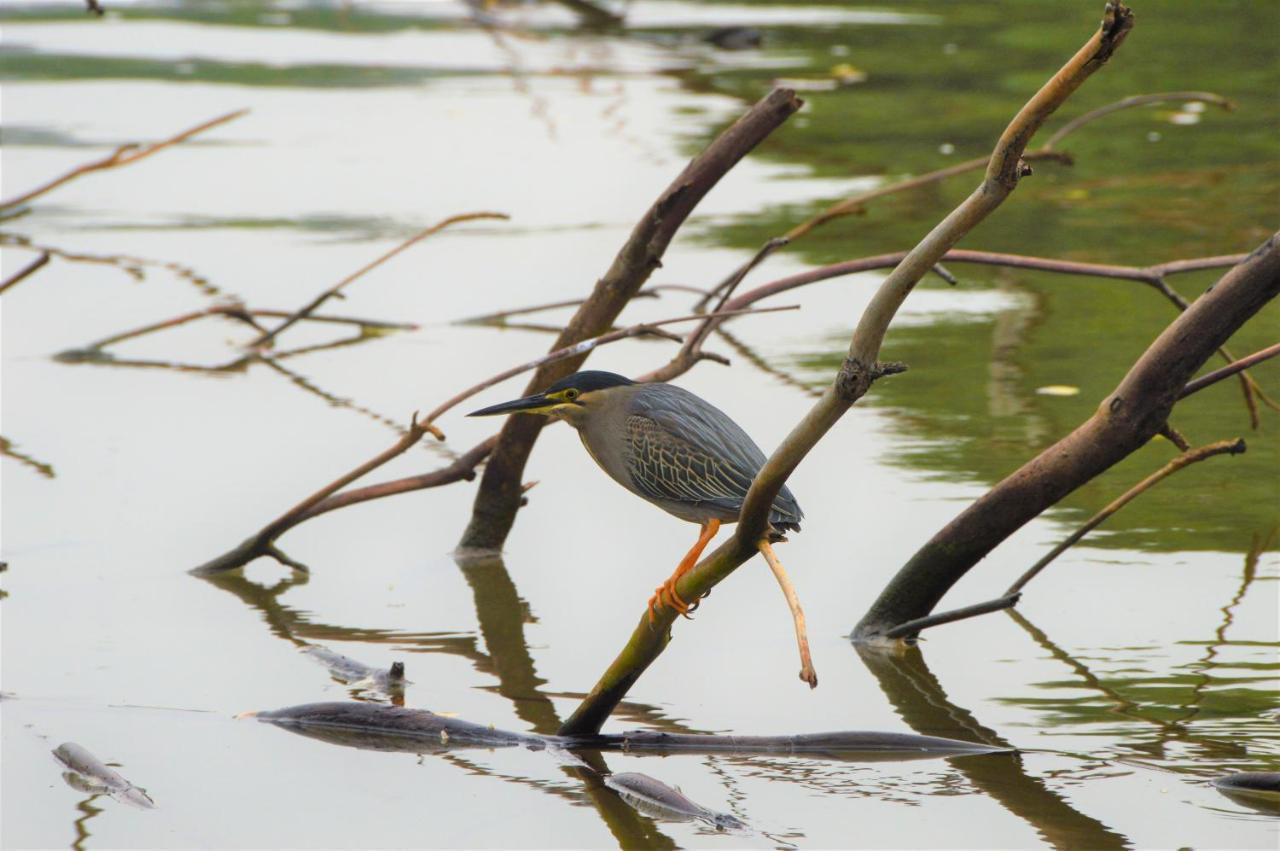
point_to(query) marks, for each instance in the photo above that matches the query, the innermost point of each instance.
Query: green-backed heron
(675, 450)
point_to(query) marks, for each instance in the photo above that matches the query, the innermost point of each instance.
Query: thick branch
(1126, 420)
(498, 496)
(855, 377)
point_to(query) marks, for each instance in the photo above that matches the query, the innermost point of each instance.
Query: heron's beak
(538, 403)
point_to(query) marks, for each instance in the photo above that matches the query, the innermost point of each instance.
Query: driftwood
(1135, 412)
(376, 726)
(860, 368)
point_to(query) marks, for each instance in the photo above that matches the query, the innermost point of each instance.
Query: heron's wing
(664, 466)
(685, 449)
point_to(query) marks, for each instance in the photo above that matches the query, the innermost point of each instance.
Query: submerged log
(373, 726)
(1257, 790)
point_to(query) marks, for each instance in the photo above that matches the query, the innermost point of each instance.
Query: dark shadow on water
(919, 699)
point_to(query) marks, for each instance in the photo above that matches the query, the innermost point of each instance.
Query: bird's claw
(666, 595)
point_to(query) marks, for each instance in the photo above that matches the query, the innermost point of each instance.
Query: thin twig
(121, 156)
(25, 271)
(913, 627)
(725, 288)
(263, 543)
(1153, 276)
(586, 346)
(1129, 103)
(245, 315)
(1229, 370)
(693, 345)
(1222, 447)
(266, 339)
(1048, 152)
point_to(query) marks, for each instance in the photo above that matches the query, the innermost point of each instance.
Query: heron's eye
(570, 394)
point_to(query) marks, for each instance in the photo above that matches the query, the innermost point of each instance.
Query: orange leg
(665, 594)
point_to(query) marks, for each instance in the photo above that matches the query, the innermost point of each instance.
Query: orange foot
(665, 594)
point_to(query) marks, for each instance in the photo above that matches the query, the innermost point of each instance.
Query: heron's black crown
(591, 379)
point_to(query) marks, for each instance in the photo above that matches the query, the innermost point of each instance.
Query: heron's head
(572, 398)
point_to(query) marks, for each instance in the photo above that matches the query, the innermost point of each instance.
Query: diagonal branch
(121, 156)
(855, 377)
(267, 338)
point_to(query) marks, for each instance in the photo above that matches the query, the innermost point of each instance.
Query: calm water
(1139, 666)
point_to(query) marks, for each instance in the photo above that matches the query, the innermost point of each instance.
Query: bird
(671, 448)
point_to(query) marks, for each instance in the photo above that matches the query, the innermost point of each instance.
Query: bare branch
(912, 628)
(1230, 370)
(1046, 152)
(121, 156)
(1129, 103)
(1222, 447)
(1137, 409)
(267, 338)
(24, 271)
(585, 346)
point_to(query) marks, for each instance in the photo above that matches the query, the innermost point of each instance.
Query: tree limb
(855, 377)
(1135, 411)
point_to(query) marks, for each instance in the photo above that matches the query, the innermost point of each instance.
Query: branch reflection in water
(1171, 702)
(919, 699)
